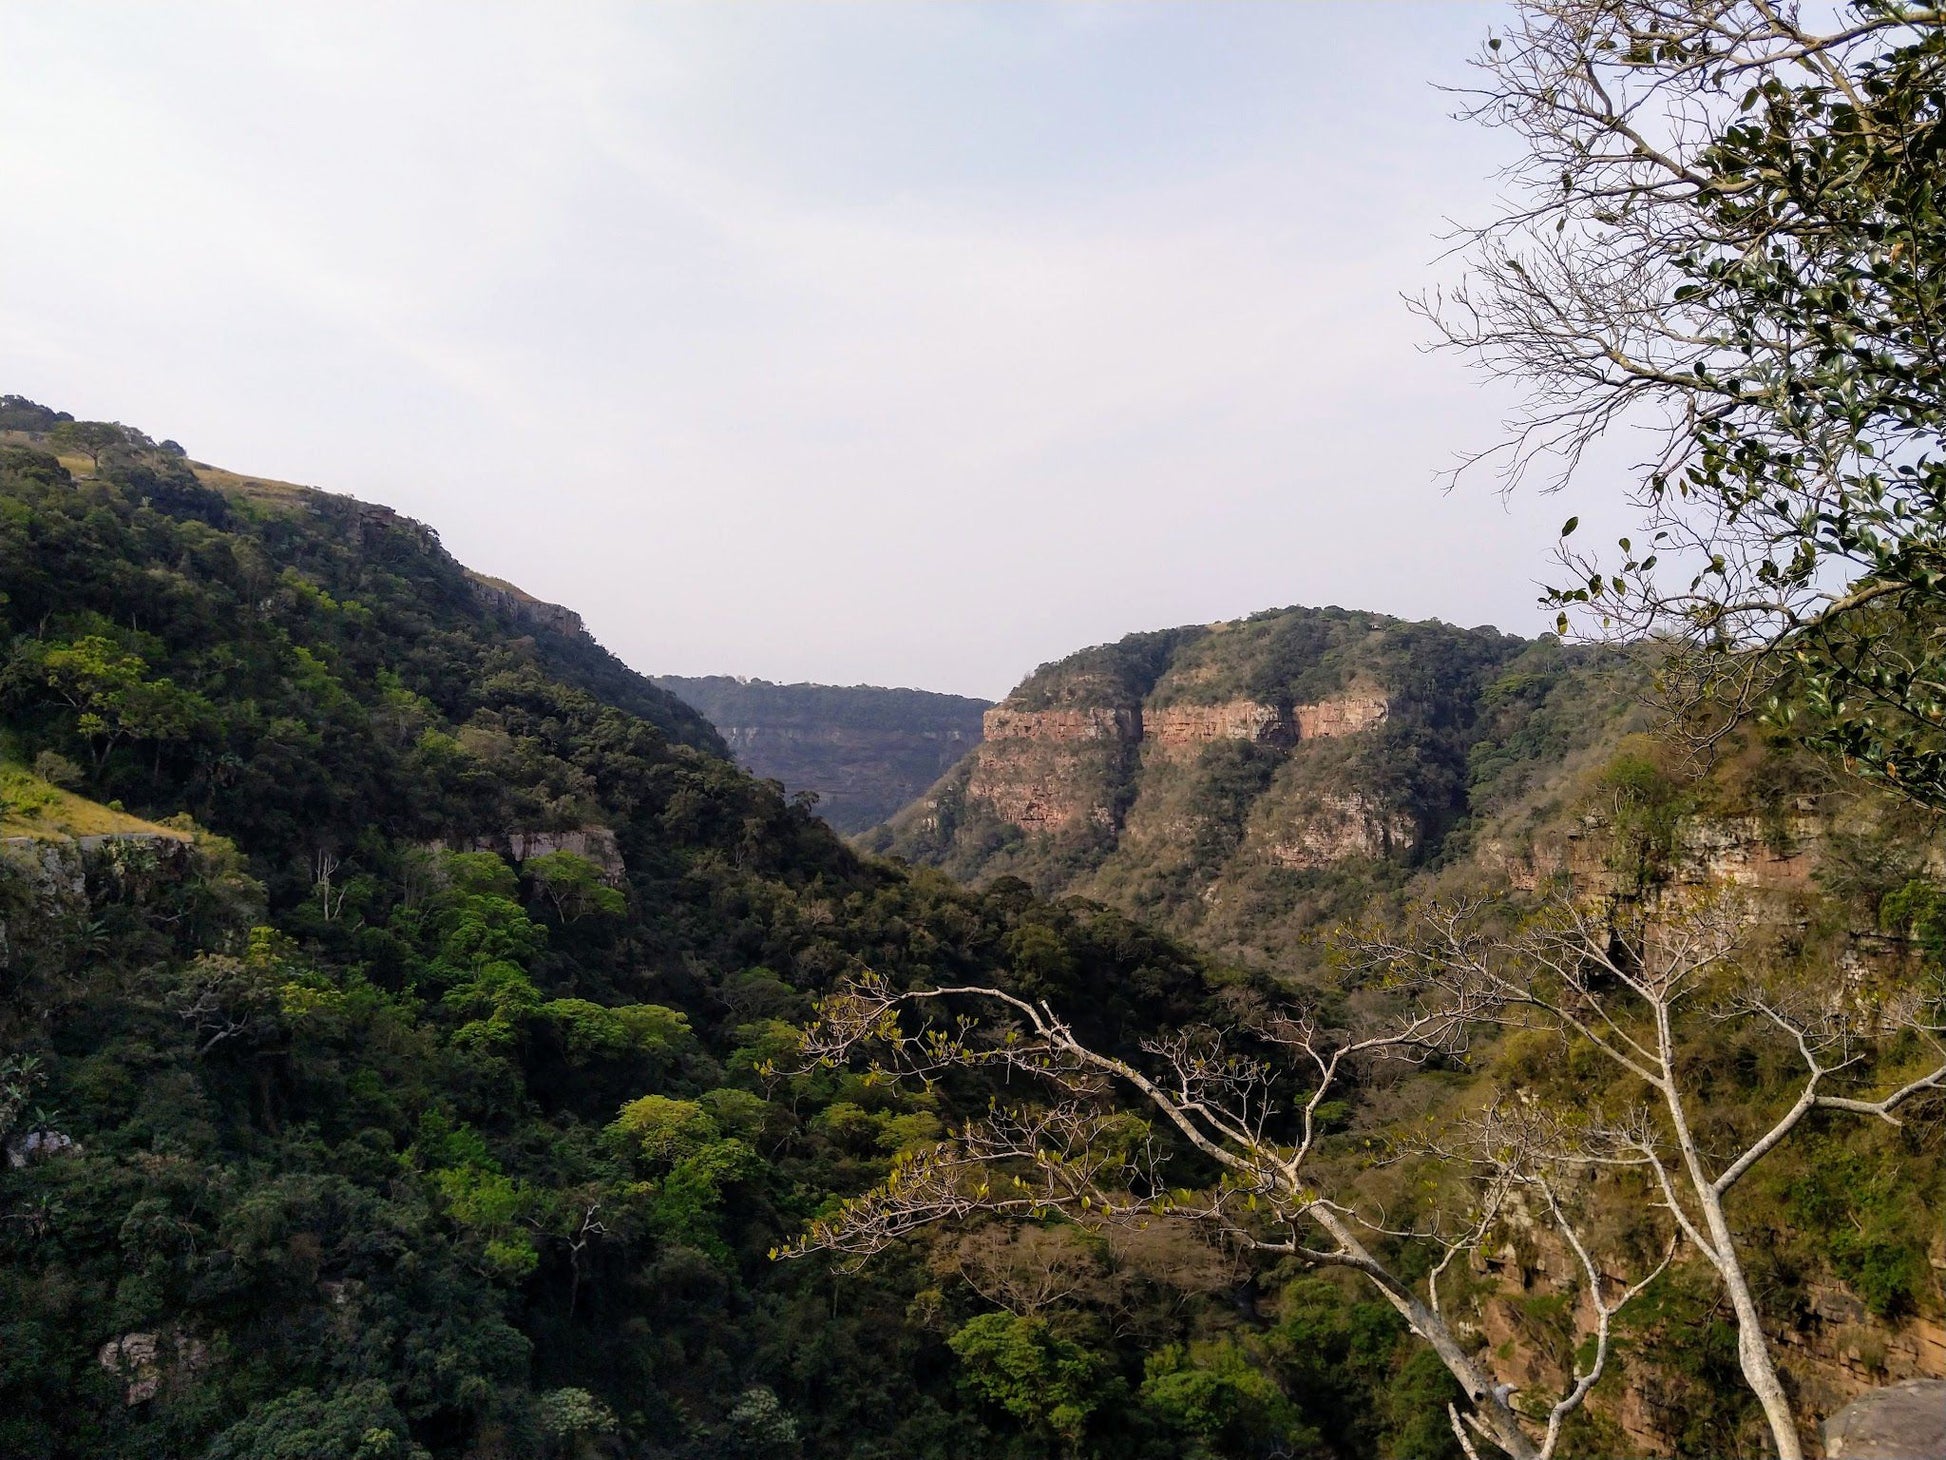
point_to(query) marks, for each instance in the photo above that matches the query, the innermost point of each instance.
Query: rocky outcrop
(1180, 728)
(1901, 1422)
(61, 865)
(1049, 770)
(596, 843)
(1719, 850)
(1200, 776)
(523, 608)
(1003, 723)
(1015, 777)
(1835, 1351)
(145, 1361)
(1340, 825)
(1345, 714)
(1744, 851)
(27, 1147)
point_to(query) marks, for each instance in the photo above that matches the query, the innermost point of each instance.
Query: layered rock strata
(1344, 714)
(1044, 770)
(1190, 727)
(1041, 770)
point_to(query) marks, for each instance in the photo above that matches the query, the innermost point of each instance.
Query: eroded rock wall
(1337, 825)
(1040, 769)
(1050, 770)
(1344, 714)
(1180, 729)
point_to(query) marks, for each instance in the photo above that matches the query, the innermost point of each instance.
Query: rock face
(1050, 770)
(1343, 824)
(596, 843)
(863, 751)
(1901, 1422)
(1723, 850)
(62, 865)
(1004, 724)
(1188, 728)
(523, 608)
(1044, 770)
(1345, 714)
(25, 1148)
(146, 1360)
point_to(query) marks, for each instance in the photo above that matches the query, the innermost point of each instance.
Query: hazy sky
(895, 343)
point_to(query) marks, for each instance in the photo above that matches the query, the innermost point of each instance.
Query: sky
(899, 344)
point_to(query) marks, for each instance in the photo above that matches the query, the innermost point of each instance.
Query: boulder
(1899, 1422)
(38, 1145)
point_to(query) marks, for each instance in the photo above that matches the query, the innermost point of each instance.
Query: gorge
(401, 1004)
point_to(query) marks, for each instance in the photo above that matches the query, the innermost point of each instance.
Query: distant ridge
(864, 750)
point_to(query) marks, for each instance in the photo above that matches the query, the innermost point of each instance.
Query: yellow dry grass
(255, 489)
(32, 807)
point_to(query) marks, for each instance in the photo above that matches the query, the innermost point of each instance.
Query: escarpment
(1190, 727)
(1050, 770)
(1201, 775)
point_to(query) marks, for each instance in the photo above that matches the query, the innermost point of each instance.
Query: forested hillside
(863, 751)
(1248, 783)
(390, 984)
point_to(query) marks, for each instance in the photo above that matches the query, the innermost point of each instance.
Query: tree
(1048, 1383)
(1643, 991)
(91, 438)
(1726, 226)
(115, 699)
(1247, 1104)
(574, 885)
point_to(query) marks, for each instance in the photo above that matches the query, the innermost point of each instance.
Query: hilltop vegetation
(863, 751)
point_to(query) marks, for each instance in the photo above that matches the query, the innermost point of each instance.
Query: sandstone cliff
(523, 608)
(1204, 776)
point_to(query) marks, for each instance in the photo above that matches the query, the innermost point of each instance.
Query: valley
(404, 998)
(863, 751)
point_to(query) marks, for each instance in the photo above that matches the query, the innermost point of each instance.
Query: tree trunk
(1753, 1347)
(1478, 1384)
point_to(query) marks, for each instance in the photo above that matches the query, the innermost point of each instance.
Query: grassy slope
(32, 807)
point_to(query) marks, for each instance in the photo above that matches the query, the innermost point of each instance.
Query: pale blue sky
(898, 343)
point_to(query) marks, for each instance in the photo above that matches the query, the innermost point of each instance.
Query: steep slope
(1252, 810)
(863, 751)
(348, 545)
(388, 1079)
(408, 1099)
(1244, 782)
